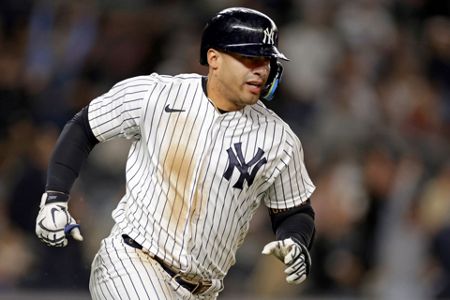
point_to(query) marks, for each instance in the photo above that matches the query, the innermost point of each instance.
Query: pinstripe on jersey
(178, 203)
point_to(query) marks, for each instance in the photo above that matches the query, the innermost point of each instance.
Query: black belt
(194, 288)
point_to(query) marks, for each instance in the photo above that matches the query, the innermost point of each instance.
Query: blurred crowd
(367, 90)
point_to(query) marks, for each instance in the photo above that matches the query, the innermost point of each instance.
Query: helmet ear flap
(276, 70)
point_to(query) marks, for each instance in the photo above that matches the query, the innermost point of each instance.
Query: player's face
(240, 79)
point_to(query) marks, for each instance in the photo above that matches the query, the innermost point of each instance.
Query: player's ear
(213, 57)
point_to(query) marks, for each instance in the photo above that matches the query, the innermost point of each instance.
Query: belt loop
(194, 290)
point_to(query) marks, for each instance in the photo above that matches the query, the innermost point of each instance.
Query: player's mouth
(254, 86)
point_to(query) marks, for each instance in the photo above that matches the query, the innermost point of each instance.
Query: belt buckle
(199, 288)
(178, 277)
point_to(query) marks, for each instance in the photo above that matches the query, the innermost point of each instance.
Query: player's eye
(253, 61)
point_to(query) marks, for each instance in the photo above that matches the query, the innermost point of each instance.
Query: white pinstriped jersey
(194, 176)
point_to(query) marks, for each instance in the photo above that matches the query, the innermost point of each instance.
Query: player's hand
(54, 223)
(294, 255)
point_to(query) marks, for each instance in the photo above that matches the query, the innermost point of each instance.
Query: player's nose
(261, 66)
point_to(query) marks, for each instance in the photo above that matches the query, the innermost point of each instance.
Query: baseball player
(205, 154)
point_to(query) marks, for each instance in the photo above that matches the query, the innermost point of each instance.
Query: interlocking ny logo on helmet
(247, 32)
(268, 36)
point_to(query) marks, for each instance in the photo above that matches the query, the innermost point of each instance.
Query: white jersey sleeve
(292, 185)
(118, 113)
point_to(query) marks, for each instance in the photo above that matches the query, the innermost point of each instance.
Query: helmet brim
(256, 50)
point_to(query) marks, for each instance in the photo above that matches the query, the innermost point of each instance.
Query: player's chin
(250, 99)
(252, 95)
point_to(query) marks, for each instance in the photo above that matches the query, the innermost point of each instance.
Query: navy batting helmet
(241, 30)
(247, 32)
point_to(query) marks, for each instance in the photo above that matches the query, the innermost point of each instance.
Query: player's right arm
(114, 114)
(71, 150)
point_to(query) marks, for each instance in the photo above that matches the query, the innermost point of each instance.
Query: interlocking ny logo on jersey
(236, 160)
(268, 36)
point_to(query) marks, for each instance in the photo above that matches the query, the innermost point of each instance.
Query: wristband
(53, 197)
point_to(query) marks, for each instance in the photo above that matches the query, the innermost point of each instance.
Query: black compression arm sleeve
(297, 222)
(72, 148)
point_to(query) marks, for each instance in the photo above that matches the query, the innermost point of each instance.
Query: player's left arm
(294, 230)
(292, 215)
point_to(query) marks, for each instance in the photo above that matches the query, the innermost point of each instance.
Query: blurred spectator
(401, 248)
(434, 213)
(341, 205)
(311, 44)
(440, 251)
(437, 52)
(60, 36)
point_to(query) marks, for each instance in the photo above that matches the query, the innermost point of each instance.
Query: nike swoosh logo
(52, 211)
(171, 110)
